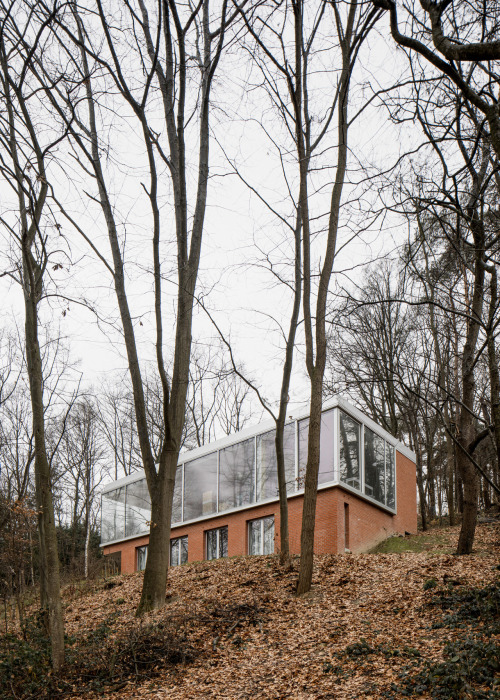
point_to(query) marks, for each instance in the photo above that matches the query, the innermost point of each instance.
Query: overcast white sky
(243, 296)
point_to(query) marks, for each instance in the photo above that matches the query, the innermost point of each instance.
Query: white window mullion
(182, 494)
(217, 487)
(296, 486)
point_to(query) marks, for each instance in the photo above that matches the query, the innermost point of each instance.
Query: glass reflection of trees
(374, 465)
(267, 474)
(200, 486)
(261, 536)
(113, 515)
(178, 551)
(390, 476)
(237, 475)
(349, 450)
(177, 502)
(326, 448)
(138, 508)
(217, 543)
(247, 477)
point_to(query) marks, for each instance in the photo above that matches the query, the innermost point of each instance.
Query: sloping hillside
(375, 625)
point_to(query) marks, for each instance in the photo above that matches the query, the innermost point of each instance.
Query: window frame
(217, 531)
(141, 550)
(178, 541)
(261, 521)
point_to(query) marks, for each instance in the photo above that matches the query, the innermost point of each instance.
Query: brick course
(368, 523)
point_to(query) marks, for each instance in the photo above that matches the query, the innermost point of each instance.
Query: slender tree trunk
(493, 363)
(465, 466)
(49, 573)
(310, 487)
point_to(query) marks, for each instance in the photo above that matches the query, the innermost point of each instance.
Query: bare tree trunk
(465, 466)
(493, 362)
(49, 571)
(32, 197)
(316, 344)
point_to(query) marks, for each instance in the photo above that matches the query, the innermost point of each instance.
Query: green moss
(434, 540)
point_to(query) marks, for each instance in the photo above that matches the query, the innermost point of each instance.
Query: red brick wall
(368, 524)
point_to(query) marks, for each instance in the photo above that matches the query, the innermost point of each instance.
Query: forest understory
(421, 622)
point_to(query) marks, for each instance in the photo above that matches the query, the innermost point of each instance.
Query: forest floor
(420, 622)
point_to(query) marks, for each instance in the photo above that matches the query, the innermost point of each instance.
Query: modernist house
(226, 493)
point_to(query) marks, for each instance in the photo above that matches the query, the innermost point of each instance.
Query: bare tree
(176, 49)
(24, 155)
(460, 41)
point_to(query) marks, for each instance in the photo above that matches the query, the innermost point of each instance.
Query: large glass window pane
(349, 451)
(223, 537)
(217, 543)
(183, 541)
(142, 557)
(261, 536)
(255, 537)
(177, 502)
(113, 515)
(237, 475)
(374, 465)
(327, 449)
(138, 510)
(200, 486)
(212, 544)
(267, 474)
(268, 524)
(390, 475)
(303, 441)
(178, 551)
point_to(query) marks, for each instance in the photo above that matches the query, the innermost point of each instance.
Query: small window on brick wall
(178, 551)
(216, 541)
(141, 557)
(261, 536)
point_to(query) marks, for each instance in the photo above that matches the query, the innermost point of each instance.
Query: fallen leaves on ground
(246, 635)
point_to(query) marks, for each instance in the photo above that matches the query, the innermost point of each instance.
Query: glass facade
(138, 508)
(267, 475)
(237, 475)
(113, 514)
(200, 487)
(350, 457)
(326, 471)
(245, 473)
(374, 465)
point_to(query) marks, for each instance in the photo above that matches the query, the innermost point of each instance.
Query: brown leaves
(251, 638)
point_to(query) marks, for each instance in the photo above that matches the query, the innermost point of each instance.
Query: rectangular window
(261, 536)
(346, 527)
(177, 502)
(216, 541)
(374, 465)
(138, 508)
(349, 450)
(141, 554)
(237, 475)
(113, 515)
(179, 551)
(326, 449)
(267, 469)
(200, 486)
(390, 476)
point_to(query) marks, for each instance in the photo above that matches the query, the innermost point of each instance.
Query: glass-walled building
(238, 474)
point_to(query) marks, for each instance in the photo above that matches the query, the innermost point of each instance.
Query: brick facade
(336, 508)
